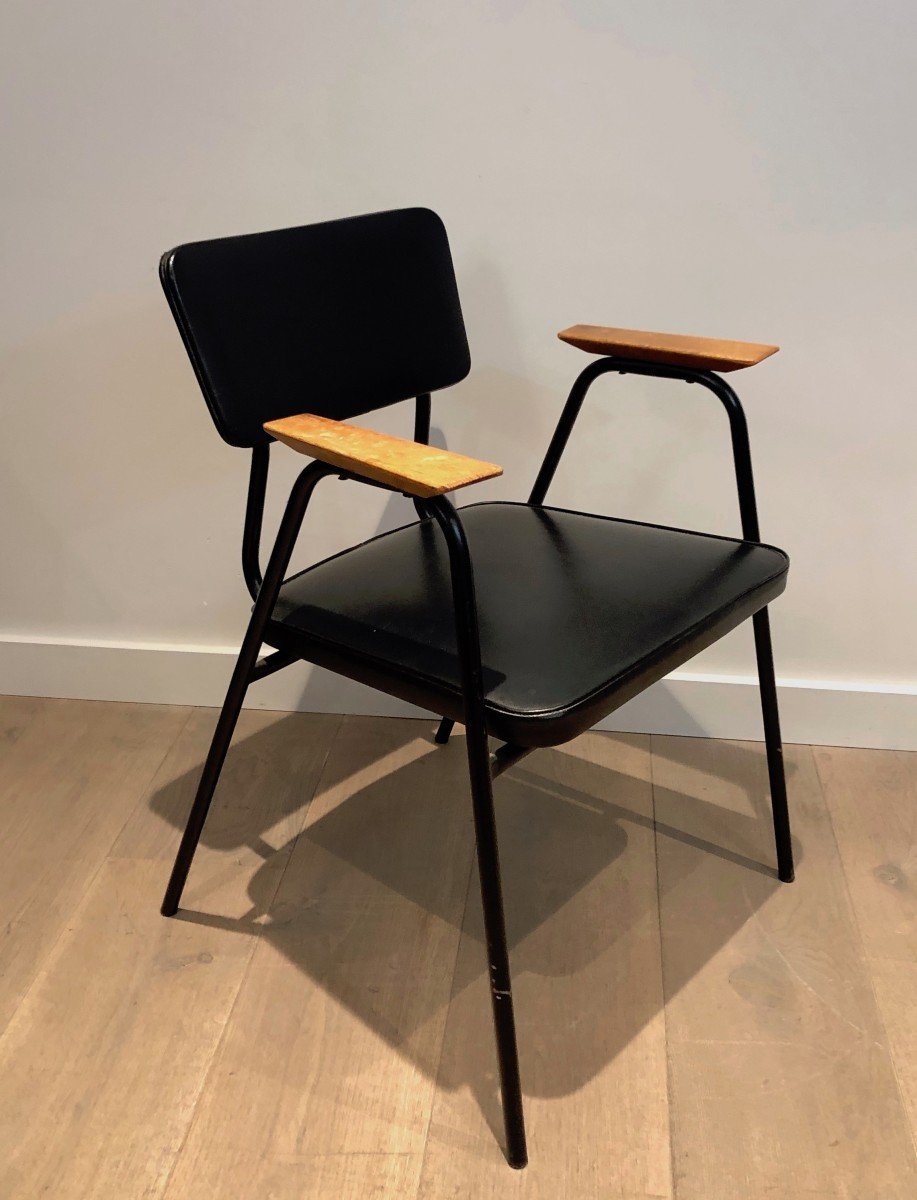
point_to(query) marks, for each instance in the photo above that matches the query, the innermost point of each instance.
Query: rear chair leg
(445, 729)
(768, 685)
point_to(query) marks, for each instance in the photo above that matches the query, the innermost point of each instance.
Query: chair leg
(497, 953)
(785, 869)
(242, 676)
(445, 729)
(210, 776)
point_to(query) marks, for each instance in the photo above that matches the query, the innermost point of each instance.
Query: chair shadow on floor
(394, 854)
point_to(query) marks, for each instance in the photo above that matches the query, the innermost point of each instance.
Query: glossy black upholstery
(335, 319)
(577, 613)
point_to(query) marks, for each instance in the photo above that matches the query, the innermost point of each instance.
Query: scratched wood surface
(411, 467)
(316, 1024)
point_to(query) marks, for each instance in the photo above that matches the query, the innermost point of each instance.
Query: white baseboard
(883, 716)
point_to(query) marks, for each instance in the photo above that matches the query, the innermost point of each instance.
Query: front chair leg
(210, 776)
(485, 829)
(241, 677)
(485, 825)
(768, 685)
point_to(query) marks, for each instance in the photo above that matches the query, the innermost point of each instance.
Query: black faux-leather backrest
(335, 319)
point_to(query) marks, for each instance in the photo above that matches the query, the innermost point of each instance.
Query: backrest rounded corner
(340, 318)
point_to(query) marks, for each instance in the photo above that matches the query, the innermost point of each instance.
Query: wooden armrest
(680, 350)
(408, 466)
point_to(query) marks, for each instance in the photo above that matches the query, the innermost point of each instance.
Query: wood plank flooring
(315, 1022)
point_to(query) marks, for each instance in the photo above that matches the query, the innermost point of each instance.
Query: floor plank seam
(754, 918)
(902, 1097)
(442, 1044)
(127, 1094)
(255, 934)
(665, 1015)
(91, 882)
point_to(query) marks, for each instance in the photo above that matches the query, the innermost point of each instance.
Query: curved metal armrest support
(254, 515)
(254, 510)
(624, 366)
(466, 611)
(446, 516)
(354, 469)
(290, 524)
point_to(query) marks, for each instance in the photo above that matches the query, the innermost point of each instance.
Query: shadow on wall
(395, 855)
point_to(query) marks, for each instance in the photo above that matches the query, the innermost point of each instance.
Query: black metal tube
(422, 418)
(748, 512)
(274, 662)
(422, 434)
(748, 509)
(786, 871)
(241, 677)
(443, 732)
(581, 386)
(741, 451)
(626, 366)
(485, 826)
(507, 756)
(254, 514)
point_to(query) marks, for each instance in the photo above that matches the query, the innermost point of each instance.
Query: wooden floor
(316, 1022)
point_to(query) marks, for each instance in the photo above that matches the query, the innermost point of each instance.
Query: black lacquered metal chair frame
(485, 765)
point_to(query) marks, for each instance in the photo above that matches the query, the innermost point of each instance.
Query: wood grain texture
(316, 1023)
(872, 797)
(781, 1081)
(114, 1040)
(895, 982)
(681, 350)
(73, 772)
(408, 466)
(580, 892)
(324, 1081)
(112, 1045)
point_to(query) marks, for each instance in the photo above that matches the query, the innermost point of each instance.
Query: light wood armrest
(408, 466)
(680, 350)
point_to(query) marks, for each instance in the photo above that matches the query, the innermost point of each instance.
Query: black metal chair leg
(497, 953)
(210, 776)
(445, 729)
(785, 870)
(485, 825)
(241, 677)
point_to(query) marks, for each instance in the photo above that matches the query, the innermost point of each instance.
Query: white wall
(734, 170)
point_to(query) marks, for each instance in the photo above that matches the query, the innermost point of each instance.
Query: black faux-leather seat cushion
(578, 613)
